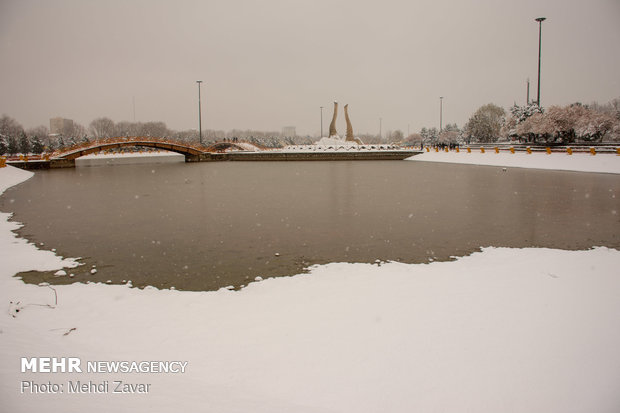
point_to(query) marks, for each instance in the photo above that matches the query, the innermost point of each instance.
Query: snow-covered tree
(567, 124)
(521, 113)
(451, 127)
(433, 135)
(4, 144)
(531, 129)
(448, 136)
(593, 126)
(486, 123)
(37, 145)
(60, 143)
(414, 139)
(12, 147)
(72, 141)
(24, 144)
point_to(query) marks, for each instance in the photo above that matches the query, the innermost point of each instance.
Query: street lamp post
(199, 113)
(440, 113)
(539, 20)
(380, 134)
(321, 122)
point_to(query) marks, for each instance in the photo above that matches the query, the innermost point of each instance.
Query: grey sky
(272, 63)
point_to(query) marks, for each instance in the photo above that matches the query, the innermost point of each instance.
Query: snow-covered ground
(341, 147)
(129, 154)
(125, 158)
(606, 163)
(503, 330)
(338, 144)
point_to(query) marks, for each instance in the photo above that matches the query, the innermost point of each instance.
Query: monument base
(335, 141)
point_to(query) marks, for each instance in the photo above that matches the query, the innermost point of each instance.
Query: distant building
(61, 126)
(289, 131)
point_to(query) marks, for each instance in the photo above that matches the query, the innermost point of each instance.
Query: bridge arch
(188, 151)
(223, 146)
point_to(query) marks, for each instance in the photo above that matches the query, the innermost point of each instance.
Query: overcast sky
(272, 63)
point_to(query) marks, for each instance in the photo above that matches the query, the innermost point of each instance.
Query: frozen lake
(210, 225)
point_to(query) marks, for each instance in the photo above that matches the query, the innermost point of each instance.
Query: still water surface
(208, 225)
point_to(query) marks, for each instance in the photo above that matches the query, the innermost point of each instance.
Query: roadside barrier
(2, 162)
(549, 150)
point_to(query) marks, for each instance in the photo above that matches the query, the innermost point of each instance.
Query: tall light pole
(199, 113)
(321, 122)
(440, 113)
(527, 101)
(380, 121)
(539, 20)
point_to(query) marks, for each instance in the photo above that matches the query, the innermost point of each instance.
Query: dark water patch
(206, 226)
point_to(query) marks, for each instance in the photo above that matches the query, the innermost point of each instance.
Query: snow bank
(106, 155)
(605, 163)
(128, 158)
(10, 176)
(523, 330)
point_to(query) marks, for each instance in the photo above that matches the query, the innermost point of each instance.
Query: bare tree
(9, 127)
(397, 136)
(102, 128)
(154, 129)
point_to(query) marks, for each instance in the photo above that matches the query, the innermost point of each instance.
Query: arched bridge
(237, 146)
(191, 152)
(74, 153)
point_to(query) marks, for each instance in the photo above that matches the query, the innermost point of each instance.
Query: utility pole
(528, 92)
(440, 113)
(539, 20)
(199, 113)
(321, 123)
